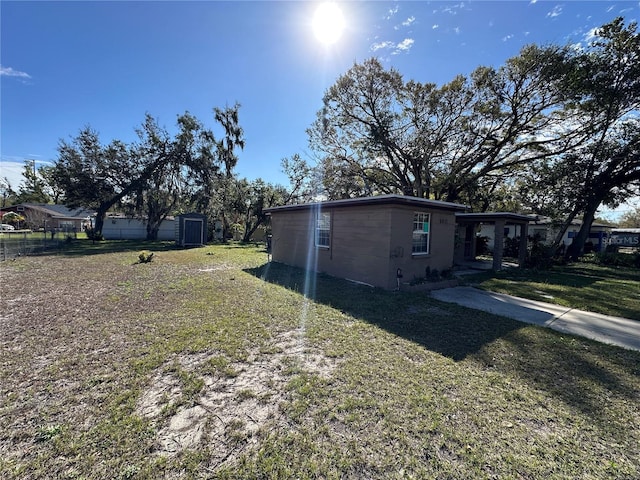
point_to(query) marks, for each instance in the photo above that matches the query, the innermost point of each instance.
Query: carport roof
(490, 217)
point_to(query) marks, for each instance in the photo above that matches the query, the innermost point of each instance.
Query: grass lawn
(586, 286)
(211, 363)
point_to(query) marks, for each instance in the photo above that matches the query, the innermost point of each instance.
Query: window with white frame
(421, 231)
(323, 229)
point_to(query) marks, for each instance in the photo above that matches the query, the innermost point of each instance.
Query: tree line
(555, 131)
(156, 176)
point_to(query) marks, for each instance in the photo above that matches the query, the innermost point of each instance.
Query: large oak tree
(385, 135)
(605, 89)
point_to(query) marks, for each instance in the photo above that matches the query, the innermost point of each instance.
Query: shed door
(192, 232)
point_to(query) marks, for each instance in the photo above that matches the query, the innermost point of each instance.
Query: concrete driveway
(603, 328)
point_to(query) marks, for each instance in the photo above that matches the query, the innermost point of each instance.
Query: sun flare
(328, 23)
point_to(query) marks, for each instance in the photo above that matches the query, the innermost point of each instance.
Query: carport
(467, 224)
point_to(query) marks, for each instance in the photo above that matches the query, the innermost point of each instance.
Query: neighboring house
(371, 240)
(487, 231)
(546, 230)
(119, 227)
(42, 216)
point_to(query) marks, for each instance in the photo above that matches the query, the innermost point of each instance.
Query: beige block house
(368, 240)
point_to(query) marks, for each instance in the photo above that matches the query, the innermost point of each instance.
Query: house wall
(135, 229)
(41, 217)
(359, 249)
(598, 234)
(442, 243)
(37, 219)
(291, 237)
(368, 243)
(488, 230)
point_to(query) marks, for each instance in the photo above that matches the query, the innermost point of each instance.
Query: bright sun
(328, 23)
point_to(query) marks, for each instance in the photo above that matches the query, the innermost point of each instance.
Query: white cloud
(405, 45)
(11, 168)
(382, 45)
(507, 38)
(10, 72)
(591, 34)
(409, 21)
(457, 30)
(435, 26)
(392, 12)
(394, 48)
(453, 9)
(555, 12)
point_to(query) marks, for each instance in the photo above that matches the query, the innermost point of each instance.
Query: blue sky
(65, 65)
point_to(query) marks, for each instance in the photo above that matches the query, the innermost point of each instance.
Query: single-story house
(546, 230)
(51, 217)
(120, 227)
(373, 240)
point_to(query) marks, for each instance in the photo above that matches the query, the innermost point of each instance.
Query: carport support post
(522, 252)
(498, 244)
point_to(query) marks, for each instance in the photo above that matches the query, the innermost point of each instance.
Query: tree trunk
(101, 214)
(576, 249)
(225, 227)
(152, 230)
(562, 231)
(250, 230)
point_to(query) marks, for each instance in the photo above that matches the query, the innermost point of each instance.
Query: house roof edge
(391, 199)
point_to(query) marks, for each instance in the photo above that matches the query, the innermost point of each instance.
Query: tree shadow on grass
(86, 247)
(580, 372)
(549, 277)
(593, 377)
(450, 330)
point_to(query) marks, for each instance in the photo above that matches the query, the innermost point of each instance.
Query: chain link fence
(25, 242)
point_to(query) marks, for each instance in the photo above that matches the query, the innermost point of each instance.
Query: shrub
(511, 247)
(482, 245)
(432, 276)
(541, 257)
(145, 257)
(617, 259)
(92, 234)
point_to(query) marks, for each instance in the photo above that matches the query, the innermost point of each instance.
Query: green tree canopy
(603, 92)
(34, 186)
(631, 218)
(147, 176)
(385, 135)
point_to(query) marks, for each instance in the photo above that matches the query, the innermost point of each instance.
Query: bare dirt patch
(232, 409)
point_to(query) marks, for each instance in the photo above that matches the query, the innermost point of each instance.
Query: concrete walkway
(603, 328)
